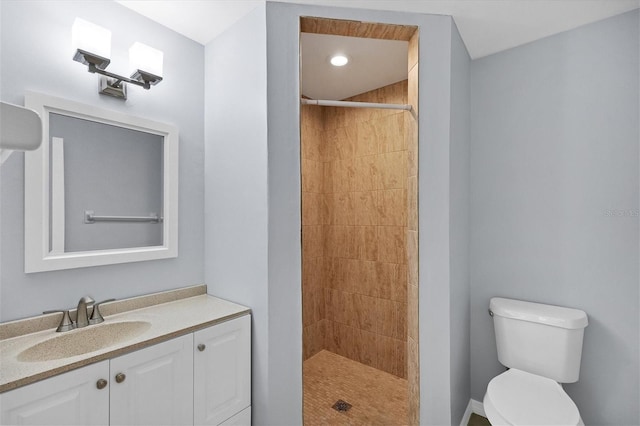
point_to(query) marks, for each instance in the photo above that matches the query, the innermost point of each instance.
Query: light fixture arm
(119, 79)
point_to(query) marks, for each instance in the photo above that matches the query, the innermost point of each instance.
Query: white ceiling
(372, 64)
(486, 26)
(200, 20)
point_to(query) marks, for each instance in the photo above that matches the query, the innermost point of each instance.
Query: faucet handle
(65, 324)
(96, 316)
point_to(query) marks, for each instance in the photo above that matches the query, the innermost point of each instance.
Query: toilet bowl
(519, 398)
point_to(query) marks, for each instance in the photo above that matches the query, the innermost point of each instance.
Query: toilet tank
(540, 339)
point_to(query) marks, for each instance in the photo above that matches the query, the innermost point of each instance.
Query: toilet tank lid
(555, 316)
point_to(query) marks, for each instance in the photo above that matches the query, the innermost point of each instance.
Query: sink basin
(83, 340)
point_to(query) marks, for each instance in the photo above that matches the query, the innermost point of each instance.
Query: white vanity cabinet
(201, 378)
(222, 373)
(71, 398)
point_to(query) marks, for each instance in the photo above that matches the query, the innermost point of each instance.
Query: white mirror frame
(37, 256)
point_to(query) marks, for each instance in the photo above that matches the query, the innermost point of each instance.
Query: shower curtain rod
(349, 104)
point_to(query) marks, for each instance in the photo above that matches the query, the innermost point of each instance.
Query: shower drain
(341, 406)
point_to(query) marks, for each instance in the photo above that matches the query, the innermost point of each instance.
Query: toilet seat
(518, 398)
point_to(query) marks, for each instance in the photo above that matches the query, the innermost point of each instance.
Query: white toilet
(542, 346)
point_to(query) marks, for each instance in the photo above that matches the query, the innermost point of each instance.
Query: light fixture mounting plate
(113, 87)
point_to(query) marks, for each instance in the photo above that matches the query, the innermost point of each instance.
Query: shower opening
(359, 222)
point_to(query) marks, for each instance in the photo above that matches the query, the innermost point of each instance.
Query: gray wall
(434, 217)
(253, 196)
(459, 231)
(285, 223)
(35, 43)
(554, 154)
(236, 185)
(284, 297)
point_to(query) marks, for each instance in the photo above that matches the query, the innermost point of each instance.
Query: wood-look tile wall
(356, 28)
(361, 218)
(411, 136)
(313, 305)
(365, 249)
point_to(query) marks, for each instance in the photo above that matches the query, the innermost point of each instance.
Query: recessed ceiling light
(339, 60)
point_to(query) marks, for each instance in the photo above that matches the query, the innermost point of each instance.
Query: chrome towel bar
(91, 217)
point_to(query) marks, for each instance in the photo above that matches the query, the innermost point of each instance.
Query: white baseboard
(477, 407)
(467, 415)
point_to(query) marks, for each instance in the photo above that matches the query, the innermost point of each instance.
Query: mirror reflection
(106, 186)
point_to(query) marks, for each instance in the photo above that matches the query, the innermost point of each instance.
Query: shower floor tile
(377, 397)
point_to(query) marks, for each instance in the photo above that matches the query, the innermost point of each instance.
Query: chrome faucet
(82, 314)
(82, 317)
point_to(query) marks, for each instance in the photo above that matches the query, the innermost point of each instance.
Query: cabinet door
(243, 418)
(154, 386)
(71, 398)
(222, 371)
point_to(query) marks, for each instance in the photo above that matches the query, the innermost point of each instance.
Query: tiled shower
(354, 180)
(360, 245)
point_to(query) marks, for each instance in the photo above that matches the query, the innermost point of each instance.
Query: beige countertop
(167, 320)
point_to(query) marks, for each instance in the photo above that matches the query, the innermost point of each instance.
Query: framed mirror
(101, 189)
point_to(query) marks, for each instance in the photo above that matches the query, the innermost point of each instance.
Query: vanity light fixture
(339, 60)
(92, 46)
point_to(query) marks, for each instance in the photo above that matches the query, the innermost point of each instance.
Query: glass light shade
(91, 38)
(145, 58)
